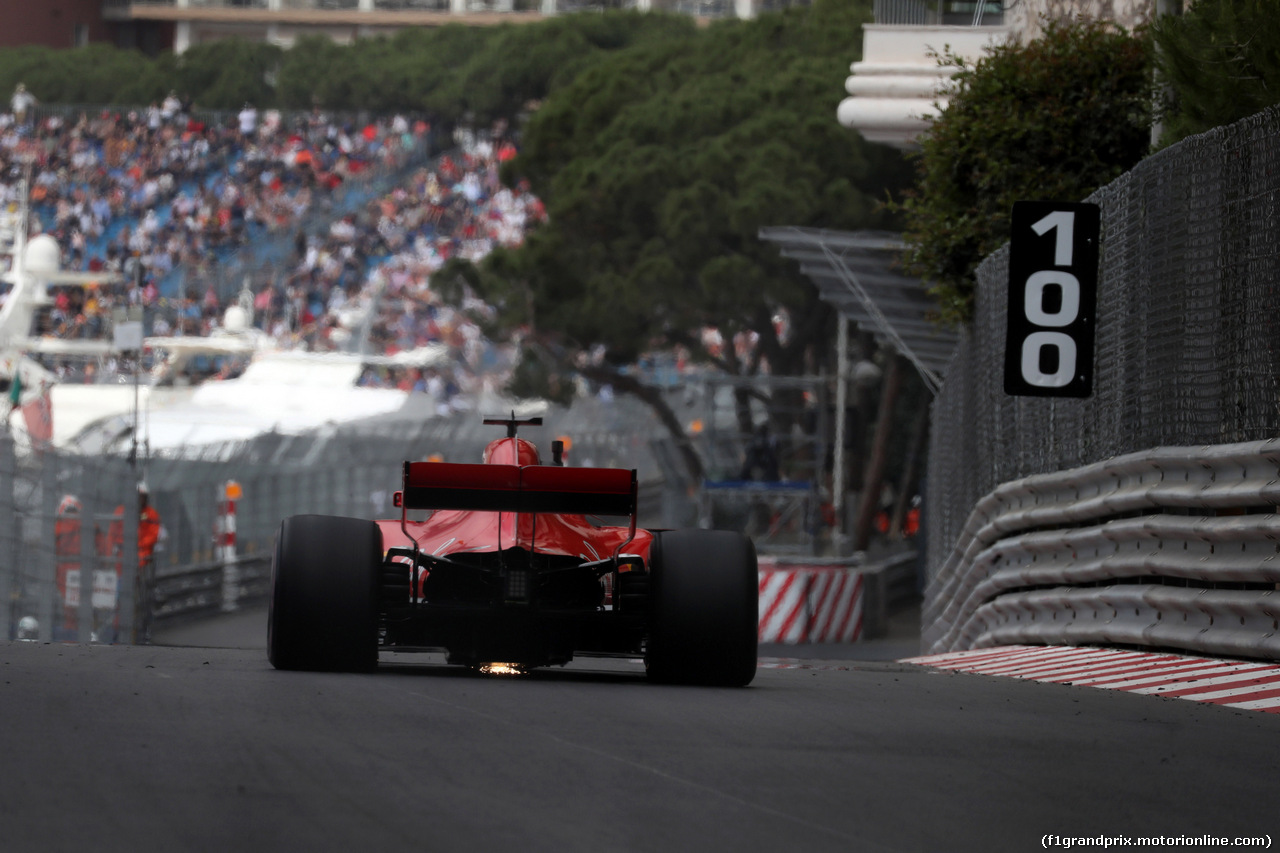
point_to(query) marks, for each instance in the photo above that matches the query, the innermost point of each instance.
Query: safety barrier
(1174, 547)
(815, 600)
(819, 601)
(211, 587)
(231, 580)
(810, 604)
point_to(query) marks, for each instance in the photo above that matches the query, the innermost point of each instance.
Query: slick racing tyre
(324, 594)
(704, 608)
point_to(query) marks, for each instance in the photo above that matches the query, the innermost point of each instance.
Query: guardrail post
(46, 568)
(128, 580)
(89, 513)
(8, 531)
(230, 493)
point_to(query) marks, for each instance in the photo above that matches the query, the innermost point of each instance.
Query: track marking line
(1249, 685)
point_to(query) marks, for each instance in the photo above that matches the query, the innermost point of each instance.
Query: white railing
(1167, 548)
(972, 13)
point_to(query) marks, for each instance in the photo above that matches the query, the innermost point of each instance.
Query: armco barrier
(1167, 548)
(812, 600)
(202, 589)
(801, 600)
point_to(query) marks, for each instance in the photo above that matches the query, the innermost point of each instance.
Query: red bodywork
(511, 571)
(455, 531)
(510, 564)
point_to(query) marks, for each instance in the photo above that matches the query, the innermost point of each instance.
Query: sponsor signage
(1053, 284)
(105, 590)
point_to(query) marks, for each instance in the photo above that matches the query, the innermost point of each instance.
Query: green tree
(97, 74)
(1221, 61)
(659, 165)
(223, 74)
(218, 75)
(455, 72)
(458, 72)
(521, 63)
(1053, 119)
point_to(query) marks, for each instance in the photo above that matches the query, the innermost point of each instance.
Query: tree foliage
(1221, 61)
(224, 74)
(453, 73)
(96, 74)
(1053, 119)
(660, 163)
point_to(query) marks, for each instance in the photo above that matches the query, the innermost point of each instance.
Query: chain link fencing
(351, 471)
(1187, 349)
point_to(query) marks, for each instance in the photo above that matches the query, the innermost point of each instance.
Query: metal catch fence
(1187, 341)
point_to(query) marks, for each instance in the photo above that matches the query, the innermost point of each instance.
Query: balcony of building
(894, 88)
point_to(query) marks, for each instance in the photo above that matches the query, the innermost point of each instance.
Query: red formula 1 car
(512, 569)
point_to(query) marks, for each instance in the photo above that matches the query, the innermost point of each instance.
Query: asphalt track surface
(204, 748)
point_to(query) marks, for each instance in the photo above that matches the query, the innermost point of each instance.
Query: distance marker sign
(1053, 285)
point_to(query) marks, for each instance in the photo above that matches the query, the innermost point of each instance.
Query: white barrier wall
(1167, 548)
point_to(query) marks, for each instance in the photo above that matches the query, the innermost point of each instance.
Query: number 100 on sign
(1053, 283)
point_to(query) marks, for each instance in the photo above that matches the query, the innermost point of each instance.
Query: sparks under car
(512, 567)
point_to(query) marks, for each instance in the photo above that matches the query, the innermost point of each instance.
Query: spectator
(171, 107)
(178, 193)
(248, 119)
(21, 102)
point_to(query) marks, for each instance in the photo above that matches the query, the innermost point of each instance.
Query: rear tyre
(704, 608)
(324, 594)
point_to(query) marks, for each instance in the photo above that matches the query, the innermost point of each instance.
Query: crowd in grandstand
(143, 194)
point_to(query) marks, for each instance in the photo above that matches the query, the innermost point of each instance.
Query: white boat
(228, 387)
(27, 385)
(282, 391)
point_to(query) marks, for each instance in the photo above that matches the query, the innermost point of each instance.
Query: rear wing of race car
(515, 488)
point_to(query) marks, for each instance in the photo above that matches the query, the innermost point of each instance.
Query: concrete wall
(52, 23)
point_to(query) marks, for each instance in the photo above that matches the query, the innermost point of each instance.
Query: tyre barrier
(1172, 548)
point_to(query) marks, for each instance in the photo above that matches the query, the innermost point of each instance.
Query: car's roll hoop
(512, 422)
